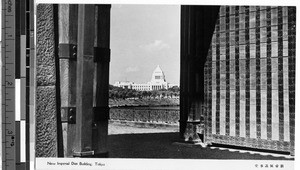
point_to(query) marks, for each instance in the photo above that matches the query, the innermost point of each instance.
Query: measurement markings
(9, 33)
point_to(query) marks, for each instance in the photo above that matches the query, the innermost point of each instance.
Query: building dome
(158, 82)
(158, 76)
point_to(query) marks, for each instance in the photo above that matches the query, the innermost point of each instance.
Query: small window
(157, 77)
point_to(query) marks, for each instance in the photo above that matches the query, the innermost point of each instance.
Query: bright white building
(158, 81)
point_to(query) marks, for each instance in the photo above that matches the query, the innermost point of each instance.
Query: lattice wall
(250, 78)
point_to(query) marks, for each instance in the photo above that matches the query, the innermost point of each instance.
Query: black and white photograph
(162, 82)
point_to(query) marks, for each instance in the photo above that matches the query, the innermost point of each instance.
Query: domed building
(158, 82)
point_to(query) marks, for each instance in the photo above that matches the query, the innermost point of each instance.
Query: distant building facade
(158, 82)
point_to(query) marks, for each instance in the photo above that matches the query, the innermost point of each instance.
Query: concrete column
(101, 81)
(197, 26)
(46, 143)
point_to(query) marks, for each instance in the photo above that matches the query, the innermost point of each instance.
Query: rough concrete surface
(46, 126)
(45, 46)
(46, 139)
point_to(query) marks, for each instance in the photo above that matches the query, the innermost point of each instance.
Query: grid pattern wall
(250, 78)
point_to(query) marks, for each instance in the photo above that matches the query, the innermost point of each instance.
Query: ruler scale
(16, 51)
(17, 82)
(8, 84)
(21, 84)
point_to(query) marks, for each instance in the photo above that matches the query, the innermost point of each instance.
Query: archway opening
(144, 72)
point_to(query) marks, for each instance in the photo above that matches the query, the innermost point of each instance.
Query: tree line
(121, 93)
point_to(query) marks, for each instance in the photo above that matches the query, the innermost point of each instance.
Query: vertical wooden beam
(84, 82)
(102, 59)
(68, 23)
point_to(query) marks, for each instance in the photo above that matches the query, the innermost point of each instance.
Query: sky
(142, 37)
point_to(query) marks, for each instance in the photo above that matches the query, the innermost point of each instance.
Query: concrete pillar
(197, 26)
(101, 81)
(46, 143)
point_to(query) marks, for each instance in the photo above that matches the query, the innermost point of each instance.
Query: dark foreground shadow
(167, 145)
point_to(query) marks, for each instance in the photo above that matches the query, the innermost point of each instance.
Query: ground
(137, 142)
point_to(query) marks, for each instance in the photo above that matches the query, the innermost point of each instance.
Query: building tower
(158, 80)
(158, 76)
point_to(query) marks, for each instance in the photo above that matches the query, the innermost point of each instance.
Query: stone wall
(250, 78)
(46, 110)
